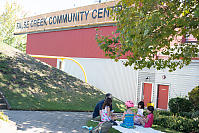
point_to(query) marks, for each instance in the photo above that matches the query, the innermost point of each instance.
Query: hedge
(178, 104)
(190, 115)
(178, 123)
(194, 97)
(165, 113)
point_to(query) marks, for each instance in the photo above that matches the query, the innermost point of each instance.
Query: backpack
(102, 127)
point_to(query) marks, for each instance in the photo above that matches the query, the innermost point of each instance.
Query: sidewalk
(49, 121)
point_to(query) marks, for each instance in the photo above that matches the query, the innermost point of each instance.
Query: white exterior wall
(125, 83)
(107, 75)
(180, 82)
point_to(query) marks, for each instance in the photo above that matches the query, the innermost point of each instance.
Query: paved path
(49, 121)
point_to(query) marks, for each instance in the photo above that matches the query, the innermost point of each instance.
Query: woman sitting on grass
(148, 121)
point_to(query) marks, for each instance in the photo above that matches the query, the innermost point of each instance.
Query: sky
(36, 7)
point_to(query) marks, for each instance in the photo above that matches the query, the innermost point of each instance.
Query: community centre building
(66, 40)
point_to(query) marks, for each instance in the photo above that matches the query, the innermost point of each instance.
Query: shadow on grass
(29, 84)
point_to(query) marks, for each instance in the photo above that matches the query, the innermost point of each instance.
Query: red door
(163, 91)
(147, 93)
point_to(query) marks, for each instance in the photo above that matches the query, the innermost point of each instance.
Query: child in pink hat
(128, 116)
(128, 104)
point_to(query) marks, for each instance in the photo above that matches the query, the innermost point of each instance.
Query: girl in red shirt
(148, 121)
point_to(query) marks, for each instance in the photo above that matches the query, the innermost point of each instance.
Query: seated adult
(98, 108)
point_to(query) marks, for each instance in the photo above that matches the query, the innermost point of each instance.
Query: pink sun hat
(129, 104)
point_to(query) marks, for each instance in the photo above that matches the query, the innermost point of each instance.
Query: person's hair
(108, 95)
(128, 107)
(141, 103)
(150, 108)
(107, 102)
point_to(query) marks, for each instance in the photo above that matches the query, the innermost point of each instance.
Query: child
(128, 116)
(98, 108)
(147, 122)
(139, 113)
(128, 104)
(105, 112)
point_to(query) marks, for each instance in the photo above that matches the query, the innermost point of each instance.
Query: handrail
(62, 58)
(6, 101)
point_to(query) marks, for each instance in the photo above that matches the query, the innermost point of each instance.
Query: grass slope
(29, 84)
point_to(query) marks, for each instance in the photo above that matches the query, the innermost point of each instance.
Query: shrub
(190, 115)
(178, 123)
(194, 97)
(195, 114)
(177, 105)
(185, 114)
(165, 113)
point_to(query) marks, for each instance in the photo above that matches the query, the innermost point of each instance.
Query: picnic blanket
(137, 129)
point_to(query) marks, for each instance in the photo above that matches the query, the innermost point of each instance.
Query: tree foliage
(8, 19)
(147, 29)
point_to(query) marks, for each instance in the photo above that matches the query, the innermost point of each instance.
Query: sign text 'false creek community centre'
(88, 15)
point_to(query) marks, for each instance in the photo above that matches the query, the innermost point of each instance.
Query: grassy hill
(29, 84)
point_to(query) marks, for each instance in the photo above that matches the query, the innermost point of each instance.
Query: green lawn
(29, 84)
(167, 130)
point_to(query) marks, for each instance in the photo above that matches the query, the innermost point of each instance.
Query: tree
(147, 28)
(8, 20)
